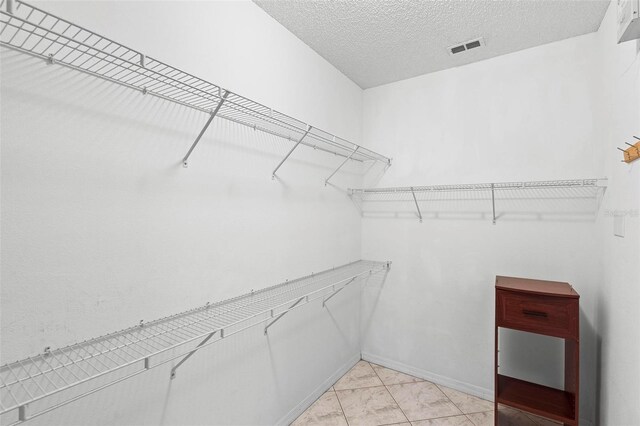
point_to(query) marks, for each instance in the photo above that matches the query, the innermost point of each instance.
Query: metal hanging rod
(417, 194)
(26, 385)
(33, 31)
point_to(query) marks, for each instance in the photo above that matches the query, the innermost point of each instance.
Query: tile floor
(371, 395)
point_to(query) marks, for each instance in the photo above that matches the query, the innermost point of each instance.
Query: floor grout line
(361, 387)
(451, 401)
(470, 421)
(311, 405)
(477, 412)
(537, 420)
(467, 416)
(340, 404)
(446, 396)
(388, 391)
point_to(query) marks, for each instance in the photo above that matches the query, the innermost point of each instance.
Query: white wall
(618, 320)
(103, 227)
(531, 115)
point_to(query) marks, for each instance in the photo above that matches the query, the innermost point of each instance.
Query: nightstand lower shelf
(549, 402)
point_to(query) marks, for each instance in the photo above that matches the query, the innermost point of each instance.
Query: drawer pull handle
(535, 313)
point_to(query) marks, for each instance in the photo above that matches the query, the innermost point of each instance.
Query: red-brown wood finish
(527, 285)
(548, 315)
(544, 307)
(553, 403)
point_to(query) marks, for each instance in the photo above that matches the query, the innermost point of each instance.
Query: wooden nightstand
(543, 307)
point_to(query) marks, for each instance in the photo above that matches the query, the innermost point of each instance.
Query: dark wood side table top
(527, 285)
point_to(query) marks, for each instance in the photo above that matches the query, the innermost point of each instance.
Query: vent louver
(473, 44)
(468, 45)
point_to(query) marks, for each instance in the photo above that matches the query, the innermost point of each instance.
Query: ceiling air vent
(468, 45)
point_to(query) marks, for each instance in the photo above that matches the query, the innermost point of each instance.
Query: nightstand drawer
(553, 316)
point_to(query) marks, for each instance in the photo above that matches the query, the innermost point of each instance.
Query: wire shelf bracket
(326, 181)
(27, 386)
(493, 202)
(416, 202)
(33, 31)
(296, 303)
(326, 299)
(204, 129)
(182, 361)
(273, 175)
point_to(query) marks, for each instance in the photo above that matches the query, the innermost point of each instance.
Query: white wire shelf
(31, 30)
(44, 382)
(417, 196)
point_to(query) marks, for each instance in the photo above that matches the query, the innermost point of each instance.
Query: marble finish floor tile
(360, 376)
(393, 377)
(325, 411)
(465, 402)
(422, 400)
(370, 394)
(445, 421)
(481, 419)
(542, 421)
(370, 406)
(511, 417)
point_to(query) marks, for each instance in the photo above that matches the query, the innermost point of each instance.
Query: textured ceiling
(375, 42)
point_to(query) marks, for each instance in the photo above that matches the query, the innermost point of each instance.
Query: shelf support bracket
(282, 314)
(337, 291)
(417, 206)
(341, 164)
(173, 370)
(493, 202)
(273, 175)
(9, 7)
(204, 129)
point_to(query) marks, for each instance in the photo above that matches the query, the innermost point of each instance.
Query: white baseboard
(306, 403)
(432, 377)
